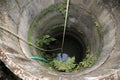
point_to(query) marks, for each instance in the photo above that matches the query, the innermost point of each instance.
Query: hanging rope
(7, 30)
(65, 24)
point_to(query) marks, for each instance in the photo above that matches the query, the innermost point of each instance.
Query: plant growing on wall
(66, 66)
(62, 9)
(45, 40)
(88, 61)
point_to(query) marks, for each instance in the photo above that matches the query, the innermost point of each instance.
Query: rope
(65, 24)
(7, 30)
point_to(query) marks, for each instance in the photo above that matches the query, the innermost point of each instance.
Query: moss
(62, 9)
(50, 27)
(55, 7)
(59, 25)
(100, 32)
(37, 18)
(99, 29)
(52, 8)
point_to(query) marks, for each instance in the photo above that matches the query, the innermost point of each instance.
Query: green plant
(99, 29)
(70, 64)
(67, 66)
(56, 7)
(52, 8)
(46, 39)
(80, 31)
(62, 9)
(96, 22)
(59, 25)
(87, 62)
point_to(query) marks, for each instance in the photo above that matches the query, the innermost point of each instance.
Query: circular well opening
(82, 39)
(73, 45)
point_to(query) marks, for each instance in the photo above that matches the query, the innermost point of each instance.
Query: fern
(67, 66)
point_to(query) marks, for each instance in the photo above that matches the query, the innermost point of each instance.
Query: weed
(66, 66)
(69, 65)
(87, 62)
(46, 39)
(59, 25)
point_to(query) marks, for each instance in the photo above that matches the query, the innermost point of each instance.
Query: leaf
(46, 36)
(52, 39)
(46, 39)
(67, 66)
